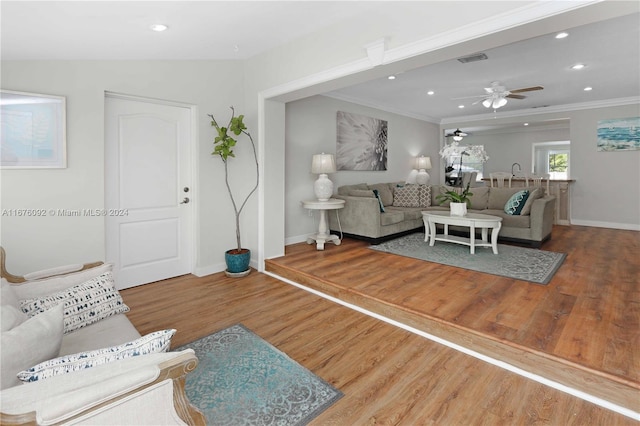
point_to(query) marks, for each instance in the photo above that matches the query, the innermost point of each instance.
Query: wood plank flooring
(388, 375)
(391, 376)
(582, 330)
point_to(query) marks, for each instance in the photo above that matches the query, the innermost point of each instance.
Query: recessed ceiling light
(460, 106)
(588, 89)
(526, 124)
(392, 77)
(578, 66)
(430, 92)
(158, 27)
(562, 35)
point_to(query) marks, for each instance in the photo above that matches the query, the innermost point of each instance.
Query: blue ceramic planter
(237, 263)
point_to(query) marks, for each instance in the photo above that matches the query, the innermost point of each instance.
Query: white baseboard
(612, 225)
(296, 239)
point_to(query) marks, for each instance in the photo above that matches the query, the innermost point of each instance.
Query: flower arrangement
(454, 148)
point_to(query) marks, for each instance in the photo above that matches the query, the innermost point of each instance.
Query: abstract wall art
(361, 142)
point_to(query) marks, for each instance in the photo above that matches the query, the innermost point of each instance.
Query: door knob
(185, 201)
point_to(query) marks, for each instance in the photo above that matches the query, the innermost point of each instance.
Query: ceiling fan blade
(512, 96)
(527, 89)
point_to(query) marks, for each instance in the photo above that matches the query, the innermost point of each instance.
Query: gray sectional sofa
(391, 213)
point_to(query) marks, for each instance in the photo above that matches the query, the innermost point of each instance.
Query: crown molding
(606, 103)
(381, 107)
(520, 16)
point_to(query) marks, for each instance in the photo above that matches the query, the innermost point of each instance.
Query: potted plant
(237, 259)
(458, 200)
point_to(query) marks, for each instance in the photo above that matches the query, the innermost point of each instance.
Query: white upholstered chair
(500, 178)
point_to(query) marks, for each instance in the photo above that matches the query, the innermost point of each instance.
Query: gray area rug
(537, 266)
(243, 380)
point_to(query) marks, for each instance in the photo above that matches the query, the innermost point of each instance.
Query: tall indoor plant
(237, 259)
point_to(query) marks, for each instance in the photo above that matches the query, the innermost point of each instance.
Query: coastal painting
(619, 134)
(361, 142)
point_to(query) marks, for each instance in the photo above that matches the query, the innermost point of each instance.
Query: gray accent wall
(311, 129)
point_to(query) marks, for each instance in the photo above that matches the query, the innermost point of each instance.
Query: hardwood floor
(581, 330)
(392, 376)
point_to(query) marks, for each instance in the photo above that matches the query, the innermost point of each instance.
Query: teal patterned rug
(243, 380)
(537, 266)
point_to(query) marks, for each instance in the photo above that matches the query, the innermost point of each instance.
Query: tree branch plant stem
(224, 145)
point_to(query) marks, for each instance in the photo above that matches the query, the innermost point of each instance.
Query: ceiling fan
(457, 135)
(496, 95)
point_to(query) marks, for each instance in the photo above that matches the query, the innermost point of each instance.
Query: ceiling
(610, 51)
(116, 30)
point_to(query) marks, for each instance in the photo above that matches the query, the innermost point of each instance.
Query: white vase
(458, 209)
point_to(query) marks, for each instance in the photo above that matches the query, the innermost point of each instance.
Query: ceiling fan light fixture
(500, 102)
(457, 138)
(487, 103)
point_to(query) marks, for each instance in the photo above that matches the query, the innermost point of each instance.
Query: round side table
(323, 235)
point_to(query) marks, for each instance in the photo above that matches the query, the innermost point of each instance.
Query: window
(473, 158)
(552, 158)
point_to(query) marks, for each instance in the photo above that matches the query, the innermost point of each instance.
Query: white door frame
(194, 189)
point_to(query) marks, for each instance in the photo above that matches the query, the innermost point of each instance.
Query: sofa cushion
(533, 195)
(8, 295)
(498, 197)
(155, 342)
(410, 213)
(386, 195)
(111, 331)
(345, 189)
(33, 341)
(514, 205)
(11, 317)
(391, 217)
(361, 193)
(84, 304)
(480, 198)
(511, 221)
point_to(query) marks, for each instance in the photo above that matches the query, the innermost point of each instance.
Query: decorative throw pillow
(361, 193)
(158, 341)
(516, 202)
(424, 195)
(35, 340)
(84, 303)
(533, 195)
(377, 194)
(385, 192)
(11, 317)
(406, 196)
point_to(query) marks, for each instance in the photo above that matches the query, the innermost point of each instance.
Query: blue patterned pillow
(84, 304)
(516, 203)
(158, 341)
(377, 194)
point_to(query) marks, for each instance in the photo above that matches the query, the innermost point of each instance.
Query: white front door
(148, 194)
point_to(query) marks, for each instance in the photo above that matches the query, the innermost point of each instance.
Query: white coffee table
(323, 235)
(470, 220)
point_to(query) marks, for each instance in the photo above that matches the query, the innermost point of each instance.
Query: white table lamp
(422, 164)
(323, 164)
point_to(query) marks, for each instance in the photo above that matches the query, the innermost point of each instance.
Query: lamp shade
(323, 163)
(423, 163)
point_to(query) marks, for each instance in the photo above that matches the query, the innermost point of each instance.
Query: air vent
(473, 58)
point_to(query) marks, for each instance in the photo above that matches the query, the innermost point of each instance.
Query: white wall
(311, 129)
(606, 191)
(513, 146)
(35, 243)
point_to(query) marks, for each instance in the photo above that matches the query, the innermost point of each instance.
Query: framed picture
(33, 131)
(619, 134)
(361, 142)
